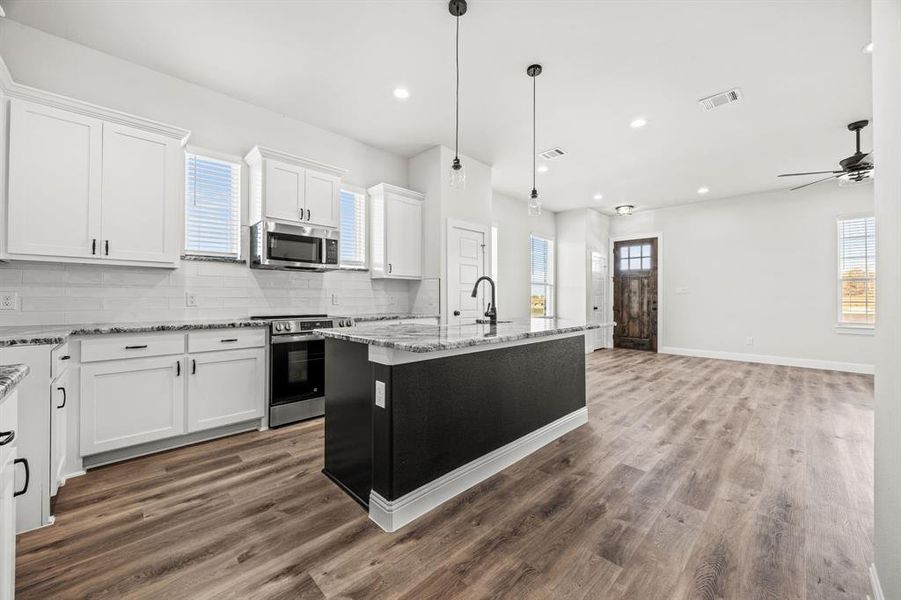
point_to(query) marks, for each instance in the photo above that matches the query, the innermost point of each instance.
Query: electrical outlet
(334, 299)
(9, 301)
(380, 394)
(190, 299)
(749, 341)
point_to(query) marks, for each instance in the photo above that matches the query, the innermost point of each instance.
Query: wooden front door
(635, 294)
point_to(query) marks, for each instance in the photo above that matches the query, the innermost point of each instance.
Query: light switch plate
(190, 299)
(380, 394)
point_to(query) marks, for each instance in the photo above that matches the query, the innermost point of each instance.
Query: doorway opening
(635, 269)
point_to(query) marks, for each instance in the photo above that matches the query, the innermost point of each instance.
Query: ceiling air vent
(721, 99)
(552, 153)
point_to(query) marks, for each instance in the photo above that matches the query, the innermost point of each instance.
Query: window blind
(212, 206)
(857, 270)
(352, 223)
(541, 267)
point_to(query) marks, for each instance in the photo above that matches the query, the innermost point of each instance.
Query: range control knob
(342, 323)
(278, 326)
(289, 326)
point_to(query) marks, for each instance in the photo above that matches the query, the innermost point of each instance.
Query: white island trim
(391, 515)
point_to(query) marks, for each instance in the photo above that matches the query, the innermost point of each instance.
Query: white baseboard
(391, 515)
(807, 363)
(874, 583)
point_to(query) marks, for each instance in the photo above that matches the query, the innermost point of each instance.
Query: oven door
(297, 365)
(294, 248)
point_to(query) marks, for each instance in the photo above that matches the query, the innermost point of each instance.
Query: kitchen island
(417, 413)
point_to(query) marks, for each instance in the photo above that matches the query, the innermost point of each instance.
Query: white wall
(53, 293)
(760, 266)
(886, 19)
(514, 226)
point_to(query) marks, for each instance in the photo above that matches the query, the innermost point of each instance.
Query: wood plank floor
(694, 478)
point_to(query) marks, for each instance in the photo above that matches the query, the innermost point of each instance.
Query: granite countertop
(433, 338)
(31, 335)
(389, 317)
(10, 376)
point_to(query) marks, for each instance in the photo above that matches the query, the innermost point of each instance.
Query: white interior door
(141, 191)
(54, 181)
(597, 297)
(466, 256)
(284, 191)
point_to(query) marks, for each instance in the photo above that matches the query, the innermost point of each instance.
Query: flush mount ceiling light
(703, 190)
(401, 93)
(599, 196)
(542, 169)
(534, 71)
(624, 210)
(457, 9)
(638, 123)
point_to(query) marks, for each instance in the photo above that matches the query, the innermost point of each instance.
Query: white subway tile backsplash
(56, 293)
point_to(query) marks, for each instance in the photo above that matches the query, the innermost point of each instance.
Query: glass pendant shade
(534, 204)
(457, 175)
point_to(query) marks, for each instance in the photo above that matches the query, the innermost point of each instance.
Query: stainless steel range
(297, 366)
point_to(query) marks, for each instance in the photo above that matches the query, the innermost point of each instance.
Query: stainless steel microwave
(279, 246)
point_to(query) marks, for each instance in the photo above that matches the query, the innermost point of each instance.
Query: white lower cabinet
(9, 431)
(225, 387)
(131, 401)
(60, 392)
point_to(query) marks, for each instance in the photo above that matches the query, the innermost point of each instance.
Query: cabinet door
(321, 197)
(128, 402)
(7, 532)
(142, 175)
(403, 237)
(59, 407)
(284, 190)
(226, 387)
(54, 181)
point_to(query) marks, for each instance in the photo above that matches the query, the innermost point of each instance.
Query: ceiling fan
(857, 167)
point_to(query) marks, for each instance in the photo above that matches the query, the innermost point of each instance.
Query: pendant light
(457, 8)
(534, 201)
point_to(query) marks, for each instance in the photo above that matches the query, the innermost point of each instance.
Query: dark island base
(441, 413)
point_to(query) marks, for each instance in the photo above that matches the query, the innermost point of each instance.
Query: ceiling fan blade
(810, 173)
(817, 181)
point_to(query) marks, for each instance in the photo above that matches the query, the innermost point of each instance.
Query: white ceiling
(335, 64)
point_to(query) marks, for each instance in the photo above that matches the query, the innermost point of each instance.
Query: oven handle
(301, 337)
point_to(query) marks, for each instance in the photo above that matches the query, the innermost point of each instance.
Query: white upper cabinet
(54, 182)
(395, 232)
(291, 189)
(141, 175)
(91, 185)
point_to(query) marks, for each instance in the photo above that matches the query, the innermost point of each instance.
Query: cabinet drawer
(116, 347)
(59, 360)
(226, 339)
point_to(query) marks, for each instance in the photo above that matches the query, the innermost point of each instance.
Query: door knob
(456, 313)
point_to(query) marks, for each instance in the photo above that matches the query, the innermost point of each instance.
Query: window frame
(551, 284)
(224, 157)
(353, 189)
(842, 326)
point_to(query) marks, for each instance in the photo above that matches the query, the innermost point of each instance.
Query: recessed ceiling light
(703, 190)
(624, 210)
(638, 122)
(542, 168)
(401, 93)
(599, 196)
(868, 49)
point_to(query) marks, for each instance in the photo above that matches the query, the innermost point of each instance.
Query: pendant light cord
(457, 97)
(533, 133)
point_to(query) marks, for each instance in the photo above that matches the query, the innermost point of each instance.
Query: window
(212, 206)
(352, 223)
(636, 257)
(857, 271)
(541, 255)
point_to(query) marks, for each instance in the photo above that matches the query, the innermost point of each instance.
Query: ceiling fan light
(624, 210)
